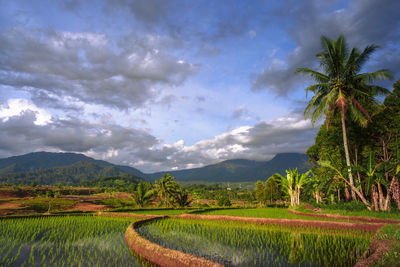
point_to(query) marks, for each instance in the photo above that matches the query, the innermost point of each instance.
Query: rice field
(65, 241)
(274, 213)
(244, 244)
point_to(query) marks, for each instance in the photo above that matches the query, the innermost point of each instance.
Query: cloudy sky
(161, 85)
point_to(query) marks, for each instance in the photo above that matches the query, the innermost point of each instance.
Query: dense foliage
(356, 151)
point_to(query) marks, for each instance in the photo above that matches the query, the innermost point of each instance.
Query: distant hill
(71, 168)
(54, 168)
(241, 170)
(43, 160)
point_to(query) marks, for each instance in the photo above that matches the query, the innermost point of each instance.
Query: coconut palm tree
(342, 87)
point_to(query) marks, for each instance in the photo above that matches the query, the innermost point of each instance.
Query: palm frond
(315, 75)
(365, 55)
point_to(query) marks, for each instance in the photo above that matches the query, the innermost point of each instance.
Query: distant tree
(224, 201)
(143, 194)
(271, 190)
(182, 198)
(166, 187)
(259, 191)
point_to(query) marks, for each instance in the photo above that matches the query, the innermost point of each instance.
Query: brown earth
(124, 214)
(160, 255)
(341, 217)
(378, 248)
(82, 206)
(10, 206)
(290, 222)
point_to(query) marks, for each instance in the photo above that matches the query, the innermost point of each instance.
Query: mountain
(66, 168)
(43, 160)
(71, 168)
(241, 170)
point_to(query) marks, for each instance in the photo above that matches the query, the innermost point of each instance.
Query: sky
(167, 85)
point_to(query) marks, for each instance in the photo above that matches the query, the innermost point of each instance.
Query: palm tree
(166, 187)
(143, 194)
(341, 87)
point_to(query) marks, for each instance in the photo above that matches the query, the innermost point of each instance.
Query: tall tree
(342, 87)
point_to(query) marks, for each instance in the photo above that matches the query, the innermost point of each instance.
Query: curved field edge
(159, 255)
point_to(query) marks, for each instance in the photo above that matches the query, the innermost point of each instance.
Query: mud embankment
(159, 255)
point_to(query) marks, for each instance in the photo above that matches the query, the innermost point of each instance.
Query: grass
(274, 213)
(391, 257)
(244, 244)
(394, 214)
(65, 241)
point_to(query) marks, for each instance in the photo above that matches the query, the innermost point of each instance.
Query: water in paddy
(238, 246)
(65, 241)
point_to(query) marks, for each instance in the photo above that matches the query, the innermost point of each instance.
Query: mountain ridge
(78, 167)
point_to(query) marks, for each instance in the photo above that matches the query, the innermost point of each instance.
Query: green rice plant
(244, 244)
(274, 213)
(65, 241)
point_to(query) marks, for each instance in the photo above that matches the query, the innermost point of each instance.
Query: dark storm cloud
(207, 21)
(364, 22)
(86, 66)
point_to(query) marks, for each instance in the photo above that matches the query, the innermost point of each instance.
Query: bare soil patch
(377, 248)
(291, 222)
(10, 206)
(82, 206)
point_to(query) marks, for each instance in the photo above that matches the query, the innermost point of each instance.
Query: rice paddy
(275, 213)
(65, 241)
(241, 244)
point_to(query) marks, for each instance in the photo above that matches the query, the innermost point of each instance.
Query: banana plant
(292, 184)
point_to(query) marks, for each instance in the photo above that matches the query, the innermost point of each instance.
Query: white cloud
(17, 106)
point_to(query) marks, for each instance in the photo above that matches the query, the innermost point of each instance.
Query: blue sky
(161, 85)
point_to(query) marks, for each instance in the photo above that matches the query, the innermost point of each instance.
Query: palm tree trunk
(346, 152)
